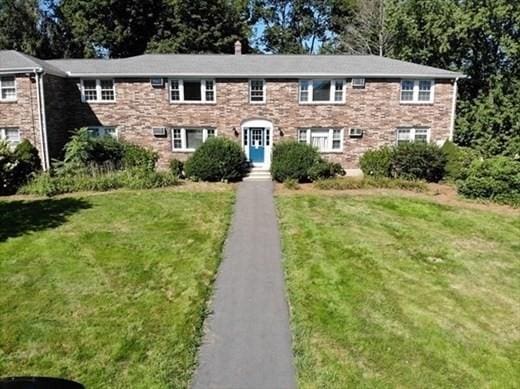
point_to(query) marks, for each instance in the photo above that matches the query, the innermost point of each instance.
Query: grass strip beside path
(388, 291)
(108, 289)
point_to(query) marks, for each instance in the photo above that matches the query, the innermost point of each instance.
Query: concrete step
(257, 179)
(258, 175)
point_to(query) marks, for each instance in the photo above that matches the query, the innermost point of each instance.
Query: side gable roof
(228, 66)
(14, 61)
(235, 66)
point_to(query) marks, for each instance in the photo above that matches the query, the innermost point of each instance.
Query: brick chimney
(238, 48)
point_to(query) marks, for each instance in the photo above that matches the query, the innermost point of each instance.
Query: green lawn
(401, 292)
(108, 289)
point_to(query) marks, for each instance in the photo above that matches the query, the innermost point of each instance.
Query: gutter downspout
(453, 110)
(43, 121)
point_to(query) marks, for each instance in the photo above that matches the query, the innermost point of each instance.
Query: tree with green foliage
(20, 26)
(294, 26)
(480, 38)
(110, 27)
(361, 29)
(201, 26)
(491, 122)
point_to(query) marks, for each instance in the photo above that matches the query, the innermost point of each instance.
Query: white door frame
(258, 123)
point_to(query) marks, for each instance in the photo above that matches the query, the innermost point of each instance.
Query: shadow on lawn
(20, 217)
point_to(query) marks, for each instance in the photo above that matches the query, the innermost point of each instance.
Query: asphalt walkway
(247, 342)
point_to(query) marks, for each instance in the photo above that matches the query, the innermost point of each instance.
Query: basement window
(326, 140)
(100, 132)
(11, 136)
(413, 134)
(189, 139)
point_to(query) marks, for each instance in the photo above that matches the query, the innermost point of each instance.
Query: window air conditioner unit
(157, 82)
(355, 133)
(358, 82)
(159, 132)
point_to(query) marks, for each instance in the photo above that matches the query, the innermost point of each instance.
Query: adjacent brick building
(344, 105)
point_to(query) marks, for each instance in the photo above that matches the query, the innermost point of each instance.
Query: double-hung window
(324, 139)
(417, 91)
(7, 88)
(100, 131)
(192, 91)
(322, 91)
(10, 135)
(256, 91)
(98, 91)
(188, 139)
(413, 134)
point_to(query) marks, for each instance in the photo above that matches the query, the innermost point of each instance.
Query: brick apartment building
(343, 105)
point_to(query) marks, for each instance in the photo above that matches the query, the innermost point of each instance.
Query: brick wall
(139, 107)
(376, 109)
(23, 113)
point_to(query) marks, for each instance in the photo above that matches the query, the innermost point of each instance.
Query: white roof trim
(20, 70)
(257, 75)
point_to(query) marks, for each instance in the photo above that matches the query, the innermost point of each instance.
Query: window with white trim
(324, 139)
(101, 131)
(189, 139)
(413, 134)
(322, 91)
(192, 91)
(7, 88)
(257, 91)
(10, 135)
(95, 90)
(417, 91)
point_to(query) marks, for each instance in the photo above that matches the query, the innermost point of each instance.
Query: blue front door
(257, 145)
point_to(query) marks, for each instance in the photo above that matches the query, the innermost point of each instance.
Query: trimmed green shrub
(217, 159)
(301, 162)
(370, 182)
(293, 160)
(418, 161)
(458, 160)
(323, 169)
(495, 178)
(377, 163)
(411, 161)
(177, 168)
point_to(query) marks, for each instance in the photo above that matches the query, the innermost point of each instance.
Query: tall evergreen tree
(201, 26)
(20, 26)
(109, 27)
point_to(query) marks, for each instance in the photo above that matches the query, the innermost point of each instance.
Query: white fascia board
(257, 75)
(20, 70)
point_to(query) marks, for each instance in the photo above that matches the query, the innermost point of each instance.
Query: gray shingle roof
(234, 66)
(12, 60)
